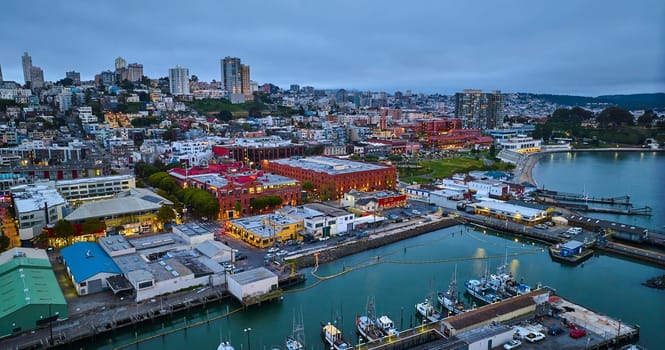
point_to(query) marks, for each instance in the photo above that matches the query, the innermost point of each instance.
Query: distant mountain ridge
(633, 101)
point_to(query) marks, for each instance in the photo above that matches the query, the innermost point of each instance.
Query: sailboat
(296, 341)
(449, 299)
(366, 324)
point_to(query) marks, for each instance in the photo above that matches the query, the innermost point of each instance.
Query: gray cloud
(590, 47)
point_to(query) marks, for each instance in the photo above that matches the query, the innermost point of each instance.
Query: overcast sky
(564, 47)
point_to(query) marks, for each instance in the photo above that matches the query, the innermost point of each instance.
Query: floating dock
(576, 197)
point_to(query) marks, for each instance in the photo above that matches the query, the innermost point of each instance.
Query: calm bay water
(414, 268)
(641, 175)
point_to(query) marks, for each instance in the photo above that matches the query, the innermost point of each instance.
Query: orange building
(335, 175)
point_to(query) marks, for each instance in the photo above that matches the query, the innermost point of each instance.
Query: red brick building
(254, 150)
(234, 190)
(335, 175)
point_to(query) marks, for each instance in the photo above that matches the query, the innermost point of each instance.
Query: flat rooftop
(251, 276)
(329, 165)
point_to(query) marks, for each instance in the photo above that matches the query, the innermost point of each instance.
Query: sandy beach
(523, 170)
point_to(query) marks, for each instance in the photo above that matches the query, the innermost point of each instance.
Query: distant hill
(634, 101)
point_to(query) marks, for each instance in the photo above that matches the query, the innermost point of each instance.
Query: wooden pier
(644, 211)
(576, 197)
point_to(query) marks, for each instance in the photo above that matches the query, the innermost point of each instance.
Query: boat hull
(570, 260)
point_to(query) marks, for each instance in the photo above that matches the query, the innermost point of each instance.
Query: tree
(165, 214)
(4, 243)
(647, 118)
(93, 225)
(308, 186)
(225, 116)
(65, 230)
(614, 116)
(327, 191)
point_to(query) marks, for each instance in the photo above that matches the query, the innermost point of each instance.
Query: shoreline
(524, 168)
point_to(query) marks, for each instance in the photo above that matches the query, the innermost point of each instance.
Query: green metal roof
(26, 281)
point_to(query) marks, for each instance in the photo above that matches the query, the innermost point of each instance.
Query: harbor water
(402, 274)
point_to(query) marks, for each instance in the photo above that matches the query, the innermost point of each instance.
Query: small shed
(253, 285)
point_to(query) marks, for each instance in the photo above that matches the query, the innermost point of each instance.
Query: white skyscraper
(179, 81)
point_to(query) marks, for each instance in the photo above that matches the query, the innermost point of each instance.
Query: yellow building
(263, 231)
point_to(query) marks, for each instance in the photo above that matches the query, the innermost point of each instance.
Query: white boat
(365, 323)
(387, 326)
(225, 346)
(333, 337)
(449, 299)
(296, 341)
(427, 311)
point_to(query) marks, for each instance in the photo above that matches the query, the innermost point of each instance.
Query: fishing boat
(365, 323)
(571, 252)
(387, 326)
(333, 337)
(427, 311)
(449, 299)
(225, 346)
(504, 284)
(296, 341)
(481, 290)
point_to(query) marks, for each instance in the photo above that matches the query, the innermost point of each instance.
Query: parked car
(555, 330)
(534, 337)
(240, 256)
(577, 333)
(513, 344)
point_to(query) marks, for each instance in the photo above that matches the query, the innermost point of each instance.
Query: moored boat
(449, 299)
(427, 311)
(481, 291)
(225, 346)
(333, 337)
(387, 326)
(571, 252)
(296, 341)
(504, 284)
(365, 323)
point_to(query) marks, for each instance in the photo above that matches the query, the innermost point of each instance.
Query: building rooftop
(264, 225)
(326, 209)
(192, 229)
(509, 209)
(29, 198)
(86, 259)
(25, 281)
(251, 276)
(132, 201)
(329, 165)
(93, 180)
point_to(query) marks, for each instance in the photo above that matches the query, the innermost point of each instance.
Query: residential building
(254, 150)
(36, 77)
(86, 189)
(86, 116)
(74, 76)
(35, 206)
(134, 72)
(332, 177)
(381, 199)
(263, 231)
(245, 82)
(232, 75)
(26, 60)
(120, 63)
(29, 291)
(179, 81)
(1, 74)
(479, 110)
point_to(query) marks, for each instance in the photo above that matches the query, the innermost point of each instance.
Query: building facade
(179, 81)
(232, 75)
(26, 61)
(332, 177)
(479, 110)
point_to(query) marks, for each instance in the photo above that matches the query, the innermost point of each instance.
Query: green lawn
(429, 170)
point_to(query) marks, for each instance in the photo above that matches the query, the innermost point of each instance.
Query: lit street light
(248, 330)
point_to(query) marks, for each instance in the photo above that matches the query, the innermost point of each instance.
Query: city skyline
(592, 48)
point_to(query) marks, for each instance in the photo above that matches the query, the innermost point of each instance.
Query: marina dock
(576, 197)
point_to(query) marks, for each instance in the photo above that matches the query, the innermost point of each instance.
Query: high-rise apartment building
(179, 81)
(479, 110)
(232, 75)
(27, 64)
(134, 72)
(1, 74)
(120, 63)
(244, 75)
(36, 78)
(74, 76)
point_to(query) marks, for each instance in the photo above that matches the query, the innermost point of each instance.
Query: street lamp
(248, 330)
